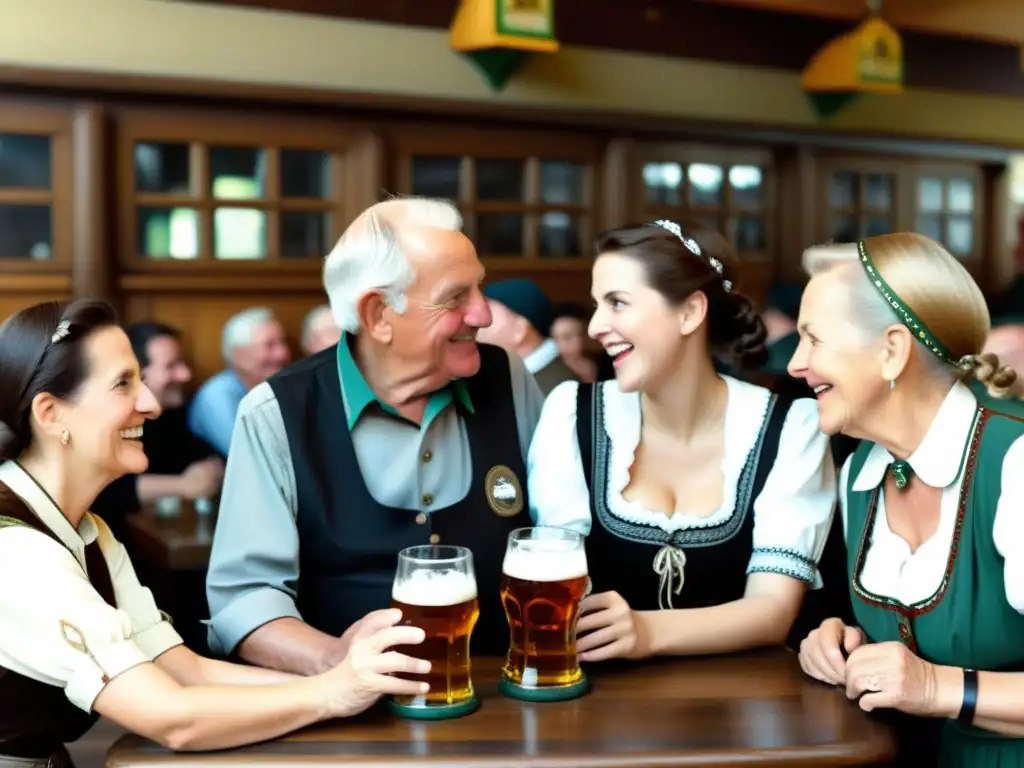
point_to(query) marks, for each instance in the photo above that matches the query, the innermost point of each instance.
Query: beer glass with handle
(544, 578)
(435, 588)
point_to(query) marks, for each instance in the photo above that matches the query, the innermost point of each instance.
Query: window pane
(559, 236)
(661, 183)
(930, 226)
(305, 173)
(561, 183)
(163, 168)
(877, 225)
(499, 234)
(499, 180)
(748, 233)
(25, 231)
(929, 195)
(844, 229)
(168, 233)
(237, 173)
(705, 184)
(960, 235)
(436, 177)
(304, 234)
(24, 161)
(960, 196)
(878, 191)
(842, 190)
(746, 182)
(239, 233)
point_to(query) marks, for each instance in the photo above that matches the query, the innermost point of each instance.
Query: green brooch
(901, 470)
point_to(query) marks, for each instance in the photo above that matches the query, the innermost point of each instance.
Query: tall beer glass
(435, 588)
(544, 578)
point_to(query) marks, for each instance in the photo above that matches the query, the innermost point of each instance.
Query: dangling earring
(65, 437)
(892, 384)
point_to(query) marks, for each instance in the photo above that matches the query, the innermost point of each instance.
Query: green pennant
(497, 65)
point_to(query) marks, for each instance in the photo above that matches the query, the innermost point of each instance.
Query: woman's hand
(612, 628)
(889, 675)
(821, 652)
(366, 672)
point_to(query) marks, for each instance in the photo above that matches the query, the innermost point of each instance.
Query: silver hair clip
(692, 247)
(63, 329)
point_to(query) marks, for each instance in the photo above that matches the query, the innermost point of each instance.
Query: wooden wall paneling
(620, 186)
(364, 176)
(797, 209)
(1000, 267)
(92, 255)
(20, 291)
(199, 305)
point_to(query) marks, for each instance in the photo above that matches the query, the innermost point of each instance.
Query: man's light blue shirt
(214, 408)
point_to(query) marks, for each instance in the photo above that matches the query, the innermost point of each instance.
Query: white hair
(369, 257)
(868, 309)
(310, 323)
(239, 330)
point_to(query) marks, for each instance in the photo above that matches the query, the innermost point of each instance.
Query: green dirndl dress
(967, 622)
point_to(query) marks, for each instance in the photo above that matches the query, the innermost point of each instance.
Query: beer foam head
(546, 560)
(428, 587)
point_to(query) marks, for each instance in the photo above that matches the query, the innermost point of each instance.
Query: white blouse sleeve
(556, 486)
(54, 626)
(793, 513)
(151, 629)
(1008, 530)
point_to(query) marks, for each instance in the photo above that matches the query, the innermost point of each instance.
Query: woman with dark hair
(705, 500)
(79, 636)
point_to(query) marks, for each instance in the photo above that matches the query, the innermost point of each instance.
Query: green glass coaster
(557, 693)
(434, 711)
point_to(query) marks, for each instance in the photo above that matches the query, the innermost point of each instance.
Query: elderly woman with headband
(932, 500)
(705, 500)
(79, 636)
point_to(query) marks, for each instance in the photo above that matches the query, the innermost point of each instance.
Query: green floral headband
(907, 316)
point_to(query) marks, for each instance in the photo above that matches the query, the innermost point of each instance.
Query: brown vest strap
(16, 512)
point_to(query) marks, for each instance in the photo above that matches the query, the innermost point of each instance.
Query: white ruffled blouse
(792, 514)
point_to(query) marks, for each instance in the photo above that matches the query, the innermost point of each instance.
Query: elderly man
(254, 348)
(319, 330)
(521, 323)
(405, 433)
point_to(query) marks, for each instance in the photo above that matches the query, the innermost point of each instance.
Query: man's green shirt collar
(357, 394)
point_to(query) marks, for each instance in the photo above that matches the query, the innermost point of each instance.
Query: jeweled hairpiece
(695, 249)
(63, 329)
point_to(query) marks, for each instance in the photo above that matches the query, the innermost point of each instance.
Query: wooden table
(176, 543)
(749, 709)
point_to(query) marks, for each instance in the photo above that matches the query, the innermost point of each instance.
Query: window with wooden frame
(209, 190)
(728, 190)
(525, 197)
(948, 207)
(859, 199)
(35, 187)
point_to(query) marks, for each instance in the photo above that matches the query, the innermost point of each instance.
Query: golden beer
(436, 591)
(543, 582)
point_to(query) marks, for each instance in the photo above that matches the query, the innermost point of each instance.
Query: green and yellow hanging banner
(496, 35)
(867, 60)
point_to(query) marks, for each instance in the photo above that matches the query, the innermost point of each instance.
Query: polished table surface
(178, 542)
(748, 709)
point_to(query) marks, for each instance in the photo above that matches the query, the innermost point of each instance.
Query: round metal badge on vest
(504, 493)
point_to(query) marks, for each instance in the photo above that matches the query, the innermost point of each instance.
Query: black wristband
(970, 702)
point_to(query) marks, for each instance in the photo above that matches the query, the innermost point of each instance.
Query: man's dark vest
(620, 554)
(36, 719)
(349, 542)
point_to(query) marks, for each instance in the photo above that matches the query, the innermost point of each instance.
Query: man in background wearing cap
(521, 323)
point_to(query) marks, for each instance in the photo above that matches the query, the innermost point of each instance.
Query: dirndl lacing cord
(670, 565)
